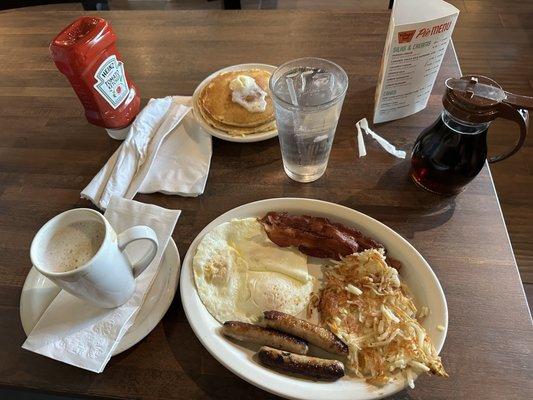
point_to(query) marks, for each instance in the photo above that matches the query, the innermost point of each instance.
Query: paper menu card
(419, 33)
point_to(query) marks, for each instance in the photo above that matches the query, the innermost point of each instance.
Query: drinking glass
(308, 94)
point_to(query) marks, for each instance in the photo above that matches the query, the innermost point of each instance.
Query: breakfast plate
(255, 137)
(415, 272)
(38, 292)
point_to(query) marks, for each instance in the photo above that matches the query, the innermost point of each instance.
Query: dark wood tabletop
(49, 152)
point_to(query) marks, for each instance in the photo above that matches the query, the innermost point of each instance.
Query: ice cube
(293, 73)
(304, 75)
(324, 81)
(307, 86)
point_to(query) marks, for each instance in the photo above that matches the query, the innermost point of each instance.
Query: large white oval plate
(416, 272)
(255, 137)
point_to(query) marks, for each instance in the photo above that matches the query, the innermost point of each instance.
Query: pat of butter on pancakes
(246, 92)
(240, 273)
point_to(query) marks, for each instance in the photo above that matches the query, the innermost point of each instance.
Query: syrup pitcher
(451, 152)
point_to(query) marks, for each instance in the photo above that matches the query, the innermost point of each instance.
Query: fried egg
(240, 273)
(275, 291)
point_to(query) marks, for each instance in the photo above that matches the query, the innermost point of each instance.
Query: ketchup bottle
(85, 52)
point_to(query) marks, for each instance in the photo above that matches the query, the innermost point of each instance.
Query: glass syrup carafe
(450, 153)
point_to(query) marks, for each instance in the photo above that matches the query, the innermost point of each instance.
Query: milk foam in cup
(73, 245)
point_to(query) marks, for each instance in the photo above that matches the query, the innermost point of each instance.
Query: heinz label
(111, 81)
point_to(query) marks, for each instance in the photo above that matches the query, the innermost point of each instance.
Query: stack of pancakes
(218, 110)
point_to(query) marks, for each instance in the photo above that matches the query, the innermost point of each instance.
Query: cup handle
(139, 232)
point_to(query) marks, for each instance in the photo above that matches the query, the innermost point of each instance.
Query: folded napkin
(362, 126)
(78, 333)
(166, 151)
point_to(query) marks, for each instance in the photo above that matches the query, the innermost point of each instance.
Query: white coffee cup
(107, 277)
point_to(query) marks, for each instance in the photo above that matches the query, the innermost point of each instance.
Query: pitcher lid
(473, 98)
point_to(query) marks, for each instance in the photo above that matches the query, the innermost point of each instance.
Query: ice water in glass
(308, 95)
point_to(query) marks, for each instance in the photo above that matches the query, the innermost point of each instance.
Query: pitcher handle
(521, 117)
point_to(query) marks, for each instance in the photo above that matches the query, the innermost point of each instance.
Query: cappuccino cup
(80, 252)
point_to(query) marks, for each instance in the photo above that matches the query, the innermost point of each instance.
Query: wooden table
(48, 153)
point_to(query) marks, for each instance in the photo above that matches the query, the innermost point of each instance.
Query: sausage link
(314, 334)
(264, 336)
(310, 367)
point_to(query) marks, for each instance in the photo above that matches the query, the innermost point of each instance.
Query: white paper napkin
(362, 126)
(78, 333)
(166, 151)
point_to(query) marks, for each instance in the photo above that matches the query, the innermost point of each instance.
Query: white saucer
(38, 292)
(254, 137)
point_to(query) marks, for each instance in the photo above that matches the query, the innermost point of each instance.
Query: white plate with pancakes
(239, 357)
(266, 130)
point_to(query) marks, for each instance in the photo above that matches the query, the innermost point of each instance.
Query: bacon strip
(315, 236)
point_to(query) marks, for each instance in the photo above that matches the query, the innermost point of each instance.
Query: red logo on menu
(406, 36)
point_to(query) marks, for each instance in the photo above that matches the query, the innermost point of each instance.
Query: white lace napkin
(362, 126)
(78, 333)
(166, 151)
